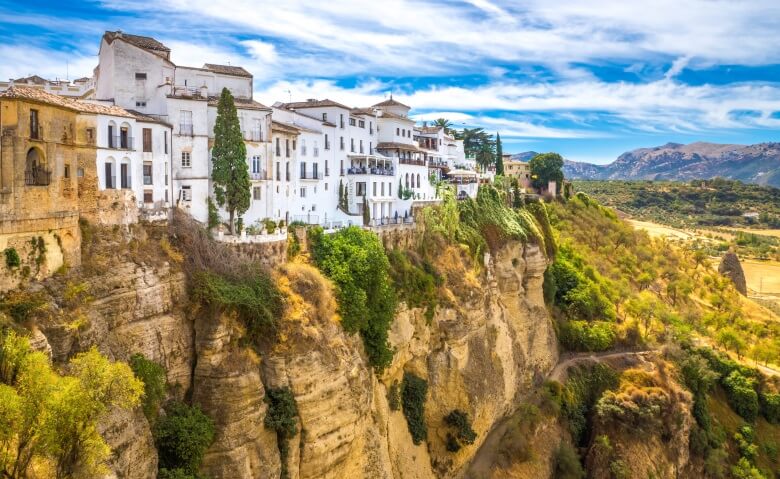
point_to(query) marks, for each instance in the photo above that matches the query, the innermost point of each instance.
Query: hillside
(758, 163)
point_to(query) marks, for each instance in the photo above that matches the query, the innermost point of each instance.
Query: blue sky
(587, 78)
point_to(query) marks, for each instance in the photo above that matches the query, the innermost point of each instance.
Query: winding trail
(559, 371)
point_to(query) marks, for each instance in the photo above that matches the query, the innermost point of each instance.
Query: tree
(546, 167)
(443, 123)
(478, 144)
(366, 213)
(182, 437)
(499, 156)
(730, 339)
(230, 170)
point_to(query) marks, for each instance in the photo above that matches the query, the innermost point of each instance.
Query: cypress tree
(341, 195)
(366, 213)
(400, 190)
(230, 170)
(499, 156)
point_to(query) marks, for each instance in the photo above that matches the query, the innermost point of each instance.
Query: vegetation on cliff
(48, 419)
(182, 436)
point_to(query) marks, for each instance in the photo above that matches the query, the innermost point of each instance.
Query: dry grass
(762, 276)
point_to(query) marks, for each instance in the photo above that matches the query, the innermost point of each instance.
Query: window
(90, 135)
(315, 171)
(374, 189)
(35, 132)
(110, 179)
(278, 147)
(165, 138)
(370, 127)
(370, 148)
(185, 159)
(303, 170)
(148, 196)
(186, 193)
(140, 76)
(351, 122)
(66, 172)
(256, 164)
(383, 188)
(341, 143)
(324, 117)
(147, 173)
(352, 145)
(362, 123)
(294, 142)
(80, 172)
(303, 147)
(360, 188)
(327, 142)
(257, 130)
(287, 171)
(287, 147)
(341, 120)
(361, 146)
(147, 136)
(257, 193)
(327, 171)
(316, 149)
(185, 122)
(326, 187)
(397, 131)
(140, 104)
(303, 192)
(278, 172)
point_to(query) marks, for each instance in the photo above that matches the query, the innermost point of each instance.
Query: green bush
(416, 282)
(23, 305)
(355, 260)
(584, 336)
(464, 434)
(213, 213)
(575, 294)
(153, 376)
(413, 392)
(280, 417)
(741, 394)
(12, 259)
(567, 463)
(182, 436)
(580, 393)
(256, 301)
(270, 225)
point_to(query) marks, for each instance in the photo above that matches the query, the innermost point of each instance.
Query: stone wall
(270, 254)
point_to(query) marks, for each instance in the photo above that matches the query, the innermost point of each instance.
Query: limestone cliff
(482, 351)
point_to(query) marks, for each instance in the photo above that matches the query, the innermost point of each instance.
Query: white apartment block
(300, 155)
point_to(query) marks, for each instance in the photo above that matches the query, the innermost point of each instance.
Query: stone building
(43, 142)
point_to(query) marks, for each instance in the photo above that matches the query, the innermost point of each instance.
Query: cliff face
(480, 353)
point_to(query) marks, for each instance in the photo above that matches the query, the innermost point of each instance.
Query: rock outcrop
(732, 268)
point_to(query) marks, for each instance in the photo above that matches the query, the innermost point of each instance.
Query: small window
(324, 117)
(66, 172)
(186, 159)
(303, 192)
(90, 135)
(397, 131)
(148, 196)
(80, 172)
(351, 122)
(186, 193)
(257, 193)
(165, 138)
(147, 173)
(362, 123)
(140, 104)
(140, 76)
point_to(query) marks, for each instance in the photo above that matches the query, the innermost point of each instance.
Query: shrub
(741, 394)
(567, 463)
(12, 259)
(23, 305)
(182, 436)
(213, 213)
(745, 470)
(281, 418)
(464, 434)
(413, 392)
(416, 282)
(355, 260)
(153, 376)
(584, 336)
(770, 407)
(270, 225)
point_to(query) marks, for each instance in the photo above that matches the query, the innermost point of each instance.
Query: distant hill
(758, 164)
(524, 156)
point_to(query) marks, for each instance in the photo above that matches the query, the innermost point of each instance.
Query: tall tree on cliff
(499, 156)
(546, 167)
(230, 171)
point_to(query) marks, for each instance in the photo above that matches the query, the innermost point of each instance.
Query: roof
(362, 112)
(285, 127)
(389, 145)
(392, 102)
(146, 43)
(324, 122)
(387, 114)
(312, 103)
(430, 129)
(241, 103)
(148, 118)
(227, 70)
(35, 79)
(37, 95)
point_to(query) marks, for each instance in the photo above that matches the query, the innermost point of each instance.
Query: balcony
(438, 164)
(121, 142)
(362, 170)
(185, 129)
(37, 177)
(259, 176)
(409, 161)
(311, 175)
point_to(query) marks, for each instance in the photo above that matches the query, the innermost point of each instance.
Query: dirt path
(559, 372)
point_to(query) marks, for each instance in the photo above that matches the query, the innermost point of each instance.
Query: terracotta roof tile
(314, 104)
(227, 70)
(241, 103)
(147, 43)
(18, 92)
(392, 102)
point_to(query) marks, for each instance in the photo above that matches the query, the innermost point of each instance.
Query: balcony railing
(400, 220)
(437, 164)
(120, 142)
(311, 175)
(37, 177)
(410, 161)
(185, 129)
(361, 170)
(259, 176)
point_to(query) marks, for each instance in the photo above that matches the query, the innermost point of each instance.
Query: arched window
(35, 172)
(109, 173)
(407, 180)
(418, 180)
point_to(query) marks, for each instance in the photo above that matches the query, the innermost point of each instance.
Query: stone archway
(35, 171)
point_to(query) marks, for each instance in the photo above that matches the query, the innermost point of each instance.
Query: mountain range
(758, 163)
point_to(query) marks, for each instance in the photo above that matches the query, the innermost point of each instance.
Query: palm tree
(443, 123)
